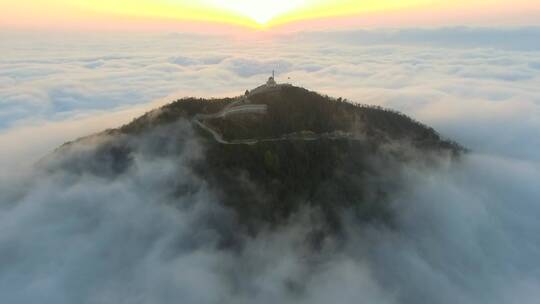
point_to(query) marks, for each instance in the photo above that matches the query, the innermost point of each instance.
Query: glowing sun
(260, 11)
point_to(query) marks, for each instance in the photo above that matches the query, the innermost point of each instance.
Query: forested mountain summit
(269, 153)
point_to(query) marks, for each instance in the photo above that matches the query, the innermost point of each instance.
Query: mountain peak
(276, 149)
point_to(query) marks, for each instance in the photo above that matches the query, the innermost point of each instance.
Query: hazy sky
(238, 15)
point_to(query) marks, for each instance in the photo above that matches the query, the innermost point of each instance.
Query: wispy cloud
(467, 232)
(485, 79)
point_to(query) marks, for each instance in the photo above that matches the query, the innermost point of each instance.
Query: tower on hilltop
(271, 81)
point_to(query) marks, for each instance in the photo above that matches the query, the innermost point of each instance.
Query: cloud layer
(464, 232)
(449, 78)
(467, 231)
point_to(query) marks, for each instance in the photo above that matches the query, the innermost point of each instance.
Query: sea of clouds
(467, 231)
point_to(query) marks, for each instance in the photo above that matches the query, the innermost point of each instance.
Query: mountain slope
(271, 153)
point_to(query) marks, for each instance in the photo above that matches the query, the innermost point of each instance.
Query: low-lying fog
(467, 231)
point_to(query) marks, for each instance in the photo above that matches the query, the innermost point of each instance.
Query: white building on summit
(270, 85)
(271, 81)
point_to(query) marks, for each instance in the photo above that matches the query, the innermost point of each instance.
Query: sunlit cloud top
(259, 14)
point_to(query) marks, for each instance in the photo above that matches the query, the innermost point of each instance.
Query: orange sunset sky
(284, 15)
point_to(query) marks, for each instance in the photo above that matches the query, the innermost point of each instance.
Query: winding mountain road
(243, 106)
